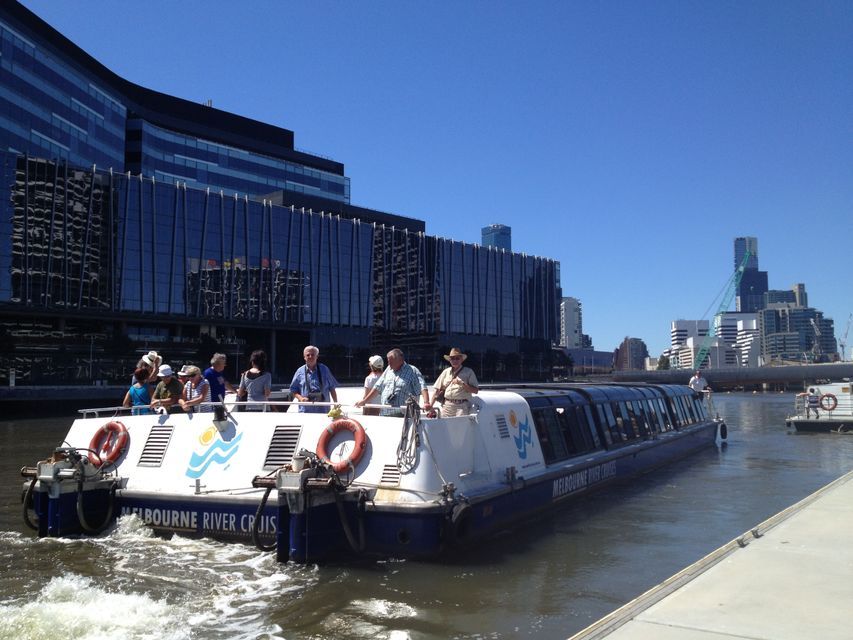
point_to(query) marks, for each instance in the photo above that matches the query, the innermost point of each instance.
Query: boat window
(677, 411)
(587, 412)
(606, 423)
(700, 410)
(550, 435)
(640, 415)
(665, 415)
(576, 431)
(628, 425)
(687, 403)
(655, 416)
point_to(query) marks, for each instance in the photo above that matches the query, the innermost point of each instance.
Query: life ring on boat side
(342, 424)
(108, 443)
(828, 402)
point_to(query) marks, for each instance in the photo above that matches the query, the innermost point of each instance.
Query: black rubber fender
(460, 522)
(724, 431)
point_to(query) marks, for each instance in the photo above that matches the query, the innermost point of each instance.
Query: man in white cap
(454, 387)
(168, 391)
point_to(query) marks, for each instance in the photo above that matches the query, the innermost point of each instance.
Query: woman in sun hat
(151, 362)
(376, 364)
(196, 390)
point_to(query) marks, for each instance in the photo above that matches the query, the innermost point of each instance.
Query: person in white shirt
(698, 383)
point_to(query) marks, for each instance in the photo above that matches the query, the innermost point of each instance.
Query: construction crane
(731, 288)
(843, 341)
(816, 343)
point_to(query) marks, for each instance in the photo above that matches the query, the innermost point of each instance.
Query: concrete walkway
(790, 578)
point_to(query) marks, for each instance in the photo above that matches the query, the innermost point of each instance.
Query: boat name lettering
(582, 479)
(210, 520)
(179, 519)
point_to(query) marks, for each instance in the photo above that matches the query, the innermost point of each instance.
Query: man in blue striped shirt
(398, 382)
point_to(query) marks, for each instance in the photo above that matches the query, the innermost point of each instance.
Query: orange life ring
(343, 424)
(828, 402)
(108, 443)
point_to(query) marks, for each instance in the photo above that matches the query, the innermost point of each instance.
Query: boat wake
(133, 584)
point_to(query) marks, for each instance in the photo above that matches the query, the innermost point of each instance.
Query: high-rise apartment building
(571, 323)
(681, 330)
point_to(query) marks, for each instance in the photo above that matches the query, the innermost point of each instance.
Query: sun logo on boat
(207, 436)
(213, 450)
(524, 436)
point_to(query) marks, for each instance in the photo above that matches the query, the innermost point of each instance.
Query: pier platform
(789, 578)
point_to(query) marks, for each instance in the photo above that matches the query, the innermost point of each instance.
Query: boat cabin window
(664, 415)
(550, 435)
(606, 421)
(577, 431)
(610, 424)
(590, 424)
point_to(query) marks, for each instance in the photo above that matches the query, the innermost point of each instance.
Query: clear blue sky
(631, 141)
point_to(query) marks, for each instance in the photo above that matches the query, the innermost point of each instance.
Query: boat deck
(791, 577)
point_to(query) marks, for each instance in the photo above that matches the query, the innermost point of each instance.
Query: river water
(547, 579)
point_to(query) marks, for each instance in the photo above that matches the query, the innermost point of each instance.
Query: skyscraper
(497, 235)
(753, 284)
(741, 246)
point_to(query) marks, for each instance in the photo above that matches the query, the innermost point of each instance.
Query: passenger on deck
(150, 362)
(397, 384)
(138, 395)
(196, 390)
(454, 387)
(256, 382)
(698, 383)
(168, 391)
(376, 364)
(313, 382)
(812, 402)
(214, 376)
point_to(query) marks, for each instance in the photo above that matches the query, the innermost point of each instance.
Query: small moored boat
(310, 486)
(834, 409)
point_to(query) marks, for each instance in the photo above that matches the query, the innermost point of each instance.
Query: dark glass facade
(132, 220)
(49, 109)
(57, 102)
(131, 249)
(175, 157)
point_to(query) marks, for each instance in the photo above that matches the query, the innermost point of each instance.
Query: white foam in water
(75, 607)
(154, 588)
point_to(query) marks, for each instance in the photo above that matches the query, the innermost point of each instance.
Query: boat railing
(843, 406)
(708, 399)
(240, 406)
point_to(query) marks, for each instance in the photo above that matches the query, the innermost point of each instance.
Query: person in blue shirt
(396, 385)
(313, 382)
(214, 376)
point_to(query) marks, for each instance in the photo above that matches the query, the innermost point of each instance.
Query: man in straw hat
(454, 387)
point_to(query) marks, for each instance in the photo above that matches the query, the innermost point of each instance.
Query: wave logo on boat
(524, 436)
(214, 451)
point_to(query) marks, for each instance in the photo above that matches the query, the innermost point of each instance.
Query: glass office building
(130, 220)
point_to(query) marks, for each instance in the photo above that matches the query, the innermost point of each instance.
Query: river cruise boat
(834, 411)
(312, 487)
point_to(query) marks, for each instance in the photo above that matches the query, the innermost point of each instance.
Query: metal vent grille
(390, 475)
(156, 445)
(282, 446)
(503, 428)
